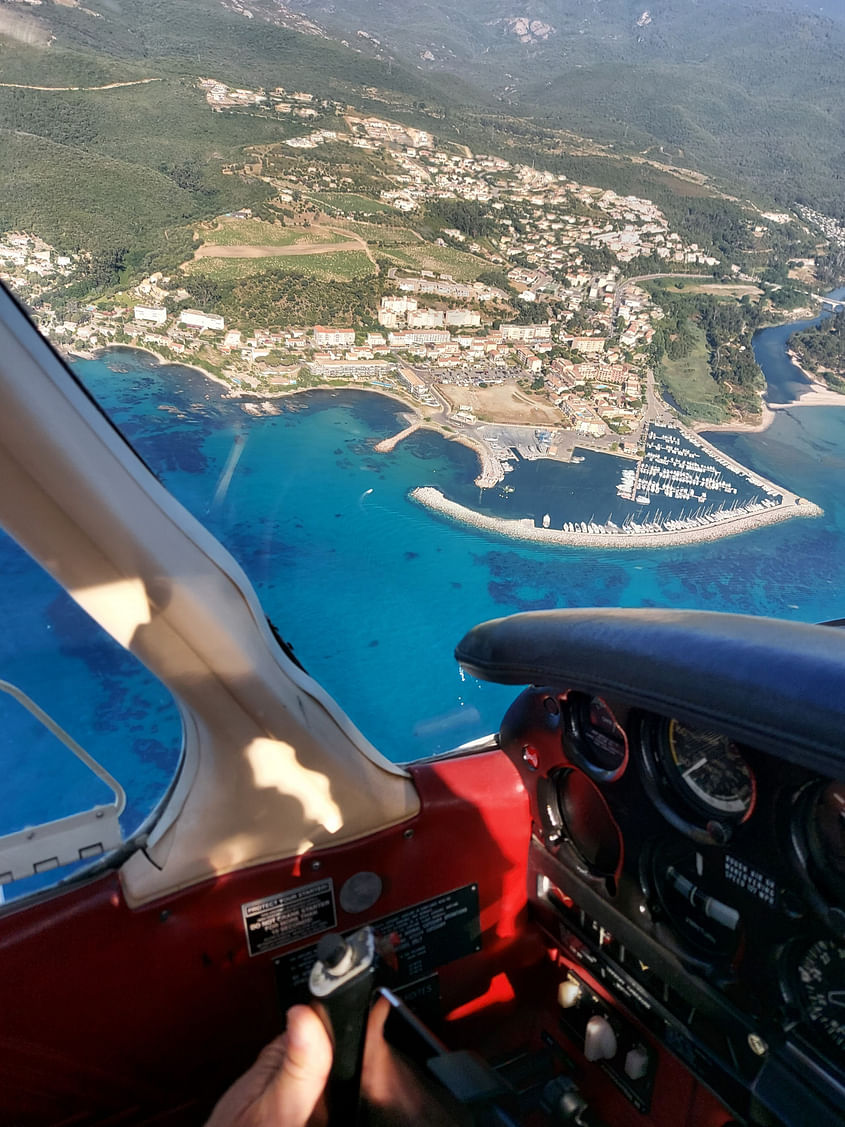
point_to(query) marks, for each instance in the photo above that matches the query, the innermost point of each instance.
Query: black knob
(331, 949)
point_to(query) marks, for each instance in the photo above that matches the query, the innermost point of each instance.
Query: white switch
(599, 1039)
(568, 993)
(636, 1062)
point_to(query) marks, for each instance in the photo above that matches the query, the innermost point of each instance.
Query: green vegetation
(821, 350)
(126, 171)
(689, 384)
(129, 175)
(442, 260)
(287, 297)
(256, 233)
(466, 216)
(831, 267)
(341, 265)
(350, 203)
(726, 328)
(749, 91)
(112, 171)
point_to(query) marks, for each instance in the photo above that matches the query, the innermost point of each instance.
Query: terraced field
(332, 265)
(442, 260)
(252, 232)
(350, 203)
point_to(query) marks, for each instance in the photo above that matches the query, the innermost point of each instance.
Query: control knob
(599, 1039)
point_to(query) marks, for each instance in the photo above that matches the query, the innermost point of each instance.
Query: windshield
(429, 342)
(61, 671)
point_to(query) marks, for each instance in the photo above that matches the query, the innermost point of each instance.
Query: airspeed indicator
(821, 989)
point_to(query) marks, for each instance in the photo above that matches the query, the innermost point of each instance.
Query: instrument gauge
(820, 990)
(707, 769)
(698, 778)
(686, 887)
(587, 823)
(826, 832)
(597, 741)
(818, 842)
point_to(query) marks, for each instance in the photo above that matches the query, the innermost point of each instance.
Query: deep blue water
(373, 591)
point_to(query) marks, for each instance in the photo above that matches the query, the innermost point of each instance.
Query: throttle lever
(341, 985)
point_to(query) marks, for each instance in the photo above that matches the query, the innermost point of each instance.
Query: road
(83, 89)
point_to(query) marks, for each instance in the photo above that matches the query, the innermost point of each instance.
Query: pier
(388, 444)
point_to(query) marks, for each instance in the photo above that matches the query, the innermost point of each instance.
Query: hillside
(112, 168)
(120, 153)
(751, 91)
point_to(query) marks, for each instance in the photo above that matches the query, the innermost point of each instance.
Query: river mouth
(785, 382)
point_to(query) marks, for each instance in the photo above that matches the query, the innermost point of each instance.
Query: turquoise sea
(371, 590)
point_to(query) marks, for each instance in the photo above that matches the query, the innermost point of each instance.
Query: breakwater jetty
(388, 444)
(669, 534)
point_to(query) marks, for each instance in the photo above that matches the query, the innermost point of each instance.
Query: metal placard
(275, 921)
(427, 936)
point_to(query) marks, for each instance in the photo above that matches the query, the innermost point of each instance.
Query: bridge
(829, 304)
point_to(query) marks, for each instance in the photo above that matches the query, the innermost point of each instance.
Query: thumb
(292, 1094)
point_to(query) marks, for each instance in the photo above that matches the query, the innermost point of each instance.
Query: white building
(154, 313)
(425, 319)
(524, 333)
(418, 336)
(200, 320)
(398, 304)
(462, 318)
(326, 338)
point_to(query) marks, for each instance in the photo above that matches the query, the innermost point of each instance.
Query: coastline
(817, 394)
(525, 529)
(491, 473)
(814, 394)
(253, 393)
(98, 352)
(766, 420)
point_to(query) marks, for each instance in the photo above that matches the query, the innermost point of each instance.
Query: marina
(682, 486)
(679, 466)
(657, 532)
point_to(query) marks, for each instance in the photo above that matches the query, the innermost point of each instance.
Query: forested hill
(755, 93)
(750, 89)
(821, 350)
(125, 172)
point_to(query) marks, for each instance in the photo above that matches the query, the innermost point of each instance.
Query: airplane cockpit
(625, 907)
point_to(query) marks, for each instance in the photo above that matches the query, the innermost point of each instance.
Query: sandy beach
(766, 419)
(816, 395)
(525, 529)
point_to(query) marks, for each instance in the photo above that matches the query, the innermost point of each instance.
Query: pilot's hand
(284, 1086)
(397, 1094)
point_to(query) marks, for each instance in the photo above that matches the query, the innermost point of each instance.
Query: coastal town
(545, 350)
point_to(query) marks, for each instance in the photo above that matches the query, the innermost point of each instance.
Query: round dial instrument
(597, 742)
(826, 834)
(588, 823)
(707, 769)
(821, 989)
